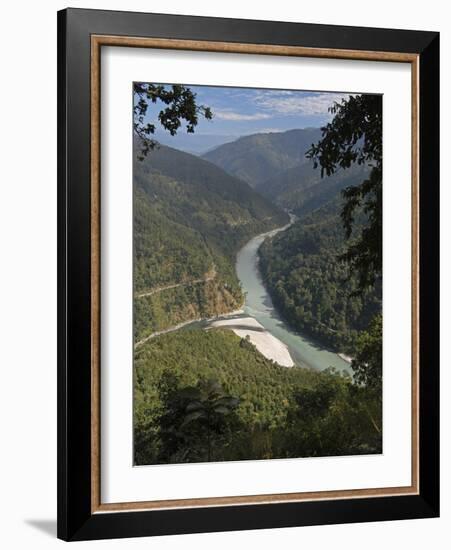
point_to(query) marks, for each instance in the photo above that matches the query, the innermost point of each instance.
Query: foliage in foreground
(354, 136)
(179, 106)
(246, 406)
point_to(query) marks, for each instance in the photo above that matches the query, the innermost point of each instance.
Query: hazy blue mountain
(196, 144)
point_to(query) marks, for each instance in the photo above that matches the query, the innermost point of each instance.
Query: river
(258, 304)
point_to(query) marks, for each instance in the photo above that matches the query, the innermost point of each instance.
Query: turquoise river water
(258, 304)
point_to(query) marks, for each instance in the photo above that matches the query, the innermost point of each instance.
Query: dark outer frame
(76, 521)
(97, 43)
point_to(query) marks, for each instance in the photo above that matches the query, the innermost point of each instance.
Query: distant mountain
(275, 165)
(257, 157)
(302, 189)
(196, 144)
(190, 219)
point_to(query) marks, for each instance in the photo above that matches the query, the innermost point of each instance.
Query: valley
(191, 218)
(237, 279)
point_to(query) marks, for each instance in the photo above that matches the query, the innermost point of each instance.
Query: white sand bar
(241, 322)
(267, 344)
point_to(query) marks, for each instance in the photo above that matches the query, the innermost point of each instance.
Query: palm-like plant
(207, 405)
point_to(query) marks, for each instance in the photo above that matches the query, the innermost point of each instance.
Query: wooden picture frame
(81, 35)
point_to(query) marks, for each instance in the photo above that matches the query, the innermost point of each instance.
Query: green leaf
(191, 417)
(231, 402)
(221, 409)
(194, 406)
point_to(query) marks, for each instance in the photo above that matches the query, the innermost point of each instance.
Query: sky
(243, 111)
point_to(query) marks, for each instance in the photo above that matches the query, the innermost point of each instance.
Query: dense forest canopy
(269, 411)
(311, 286)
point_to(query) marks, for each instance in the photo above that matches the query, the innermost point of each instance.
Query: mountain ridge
(259, 156)
(190, 219)
(276, 166)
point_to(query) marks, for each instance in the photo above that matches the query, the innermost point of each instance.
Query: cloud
(234, 116)
(266, 104)
(270, 130)
(292, 103)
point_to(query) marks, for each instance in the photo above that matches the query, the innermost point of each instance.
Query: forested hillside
(302, 189)
(190, 219)
(257, 409)
(312, 288)
(258, 157)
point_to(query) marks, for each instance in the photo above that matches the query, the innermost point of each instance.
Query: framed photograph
(248, 274)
